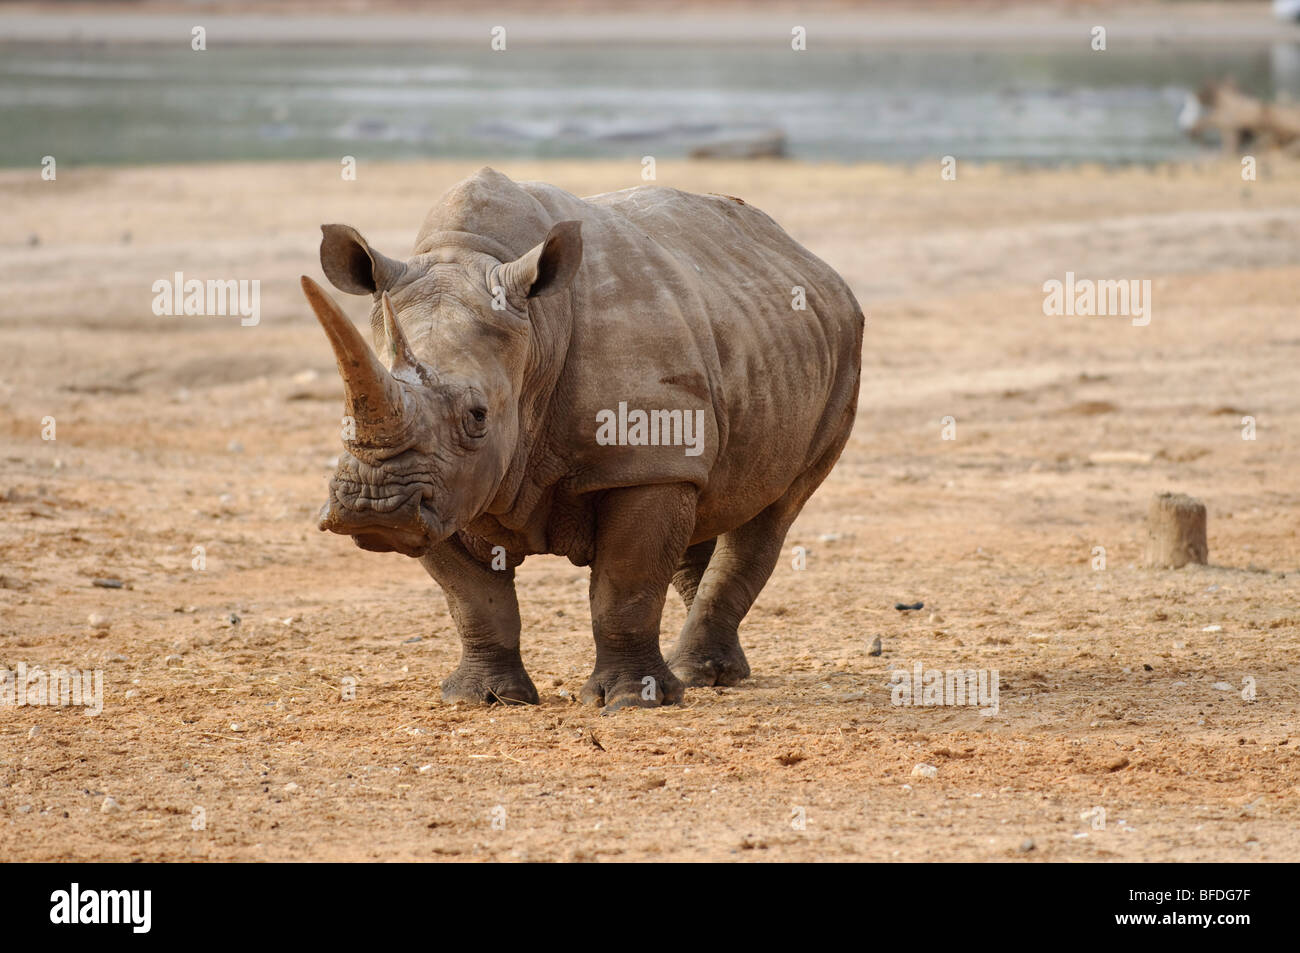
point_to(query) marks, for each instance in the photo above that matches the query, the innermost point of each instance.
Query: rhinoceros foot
(509, 685)
(703, 665)
(647, 685)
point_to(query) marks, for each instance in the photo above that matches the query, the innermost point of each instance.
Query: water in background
(106, 104)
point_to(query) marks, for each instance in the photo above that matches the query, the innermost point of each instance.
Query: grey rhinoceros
(648, 382)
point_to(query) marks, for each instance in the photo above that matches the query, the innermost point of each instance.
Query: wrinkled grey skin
(475, 436)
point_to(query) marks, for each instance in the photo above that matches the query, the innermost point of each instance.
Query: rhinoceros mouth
(389, 498)
(402, 522)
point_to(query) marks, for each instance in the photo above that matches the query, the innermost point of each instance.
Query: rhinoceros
(648, 382)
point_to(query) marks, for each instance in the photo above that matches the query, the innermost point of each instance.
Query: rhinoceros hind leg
(640, 537)
(708, 651)
(483, 605)
(690, 568)
(720, 663)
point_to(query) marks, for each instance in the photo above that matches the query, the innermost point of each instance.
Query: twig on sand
(499, 755)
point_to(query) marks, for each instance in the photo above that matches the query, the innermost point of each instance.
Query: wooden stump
(1175, 532)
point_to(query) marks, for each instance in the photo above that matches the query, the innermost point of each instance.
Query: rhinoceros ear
(352, 265)
(547, 268)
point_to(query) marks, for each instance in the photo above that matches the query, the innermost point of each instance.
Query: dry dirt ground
(173, 433)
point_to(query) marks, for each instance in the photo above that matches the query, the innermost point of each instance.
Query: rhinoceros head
(430, 435)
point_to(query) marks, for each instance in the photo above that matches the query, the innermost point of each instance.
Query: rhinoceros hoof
(633, 686)
(509, 687)
(698, 666)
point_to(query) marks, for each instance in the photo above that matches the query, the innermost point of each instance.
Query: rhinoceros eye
(476, 421)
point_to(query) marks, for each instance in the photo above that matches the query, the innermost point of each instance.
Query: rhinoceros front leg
(641, 533)
(483, 604)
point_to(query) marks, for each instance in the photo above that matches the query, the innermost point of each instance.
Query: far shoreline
(1140, 26)
(1208, 157)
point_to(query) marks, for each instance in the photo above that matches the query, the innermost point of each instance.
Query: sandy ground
(181, 432)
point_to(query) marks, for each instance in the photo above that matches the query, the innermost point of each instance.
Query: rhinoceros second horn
(403, 360)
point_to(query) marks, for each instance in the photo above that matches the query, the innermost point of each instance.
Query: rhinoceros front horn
(374, 399)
